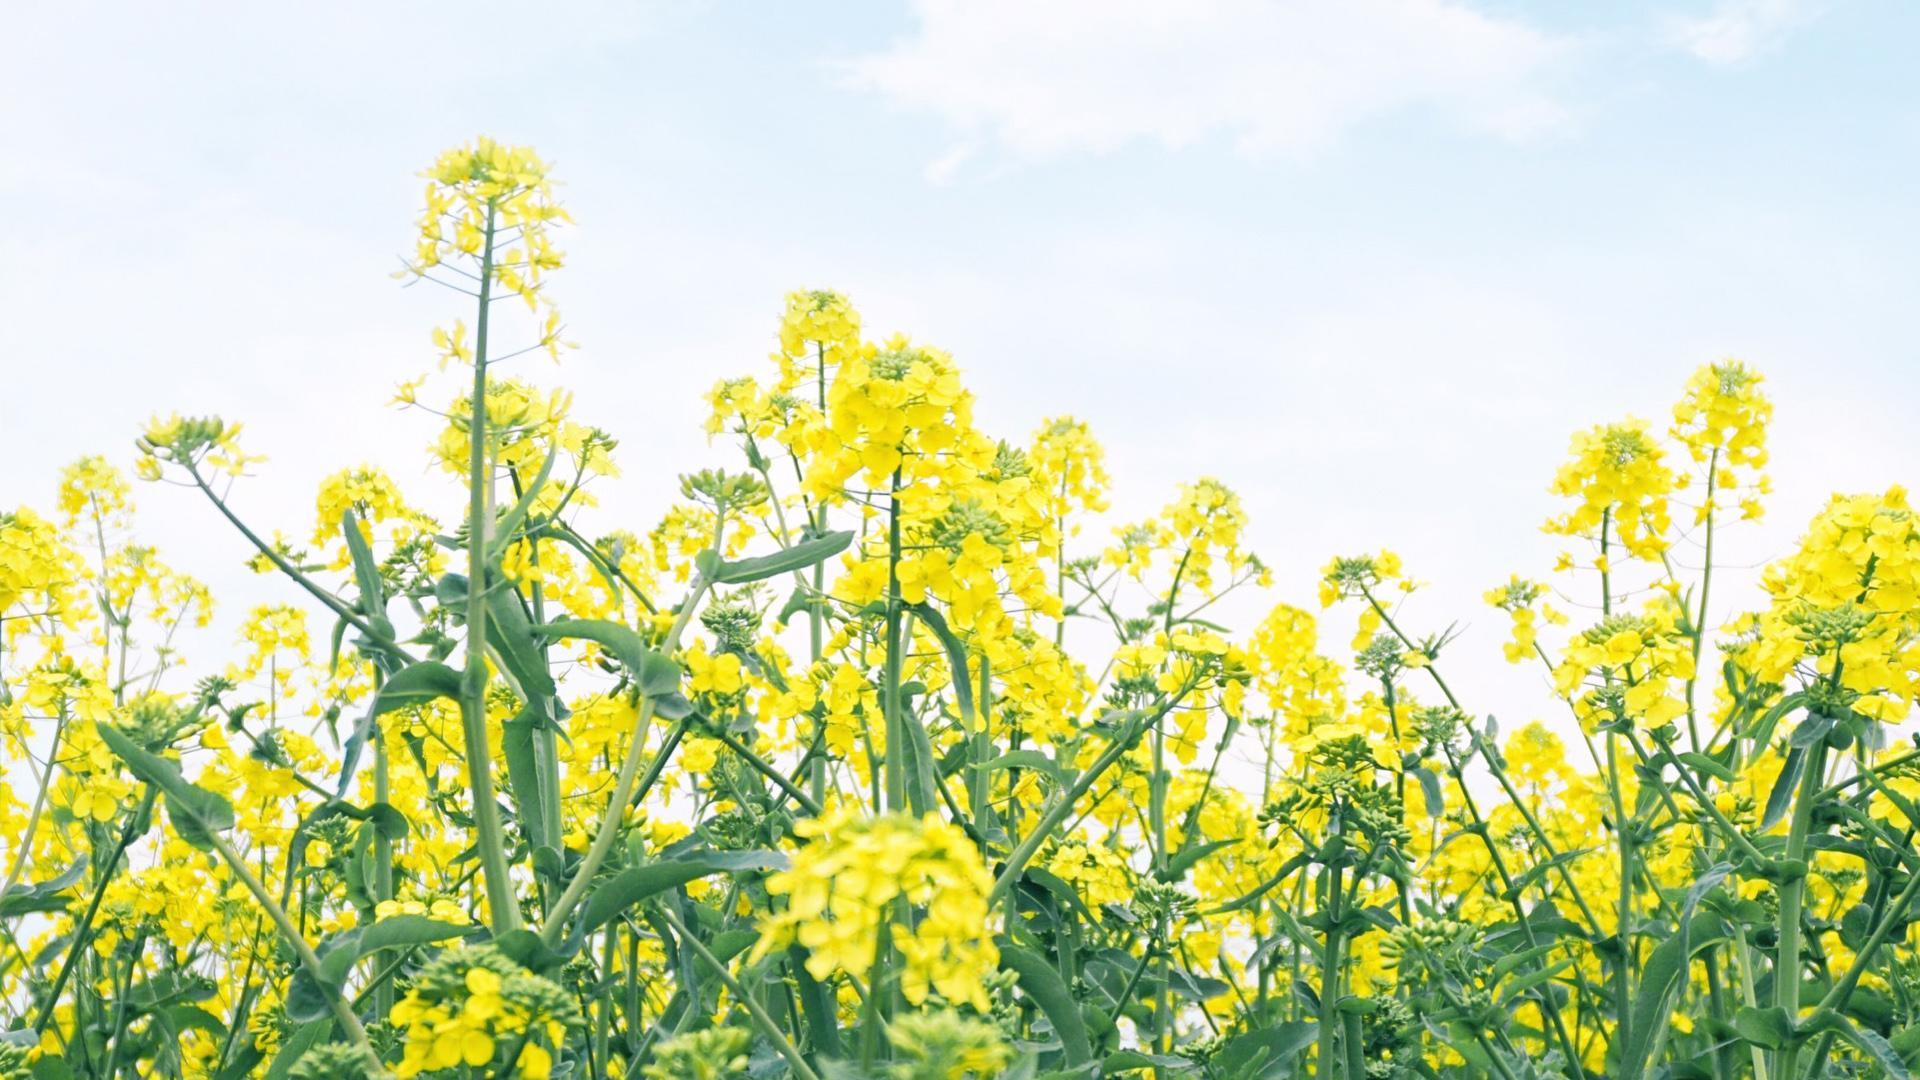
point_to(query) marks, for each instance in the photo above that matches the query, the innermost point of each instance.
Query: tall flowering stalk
(489, 207)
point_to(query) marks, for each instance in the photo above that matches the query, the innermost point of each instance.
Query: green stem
(503, 907)
(896, 750)
(81, 930)
(343, 1013)
(610, 822)
(795, 1060)
(1057, 811)
(1786, 965)
(25, 851)
(1330, 1063)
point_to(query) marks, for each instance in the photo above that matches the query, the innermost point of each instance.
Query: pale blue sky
(1368, 261)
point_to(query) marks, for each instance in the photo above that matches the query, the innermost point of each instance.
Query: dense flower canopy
(870, 759)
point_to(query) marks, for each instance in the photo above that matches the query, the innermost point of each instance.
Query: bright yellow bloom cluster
(1622, 485)
(1722, 421)
(1199, 531)
(1521, 600)
(524, 425)
(493, 202)
(93, 488)
(1301, 686)
(820, 321)
(36, 566)
(1096, 871)
(901, 400)
(1070, 466)
(842, 890)
(471, 1007)
(1849, 597)
(372, 496)
(1631, 667)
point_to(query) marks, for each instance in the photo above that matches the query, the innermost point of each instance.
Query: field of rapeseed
(867, 761)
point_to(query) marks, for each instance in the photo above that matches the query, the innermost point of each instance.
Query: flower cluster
(472, 1007)
(841, 896)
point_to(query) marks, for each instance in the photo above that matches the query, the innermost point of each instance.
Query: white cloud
(1274, 76)
(1738, 30)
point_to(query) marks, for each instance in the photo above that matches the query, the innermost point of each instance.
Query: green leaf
(640, 883)
(956, 659)
(920, 763)
(1132, 1060)
(1041, 877)
(510, 636)
(797, 602)
(1184, 861)
(1287, 869)
(366, 572)
(526, 949)
(196, 812)
(1430, 790)
(1763, 730)
(1812, 729)
(820, 1010)
(406, 931)
(416, 685)
(798, 557)
(1666, 968)
(1870, 1042)
(42, 896)
(1021, 759)
(1538, 871)
(304, 1038)
(1039, 981)
(1264, 1053)
(504, 528)
(525, 781)
(1781, 797)
(1906, 1041)
(1705, 764)
(655, 674)
(1770, 1027)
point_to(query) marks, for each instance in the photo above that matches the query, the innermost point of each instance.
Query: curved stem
(25, 851)
(761, 1019)
(609, 830)
(343, 1013)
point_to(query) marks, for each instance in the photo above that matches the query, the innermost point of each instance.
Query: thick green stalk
(503, 907)
(1700, 619)
(1157, 813)
(1786, 965)
(546, 739)
(382, 853)
(816, 618)
(896, 765)
(1623, 834)
(1329, 1062)
(979, 781)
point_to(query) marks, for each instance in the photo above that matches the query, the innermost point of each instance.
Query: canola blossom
(878, 756)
